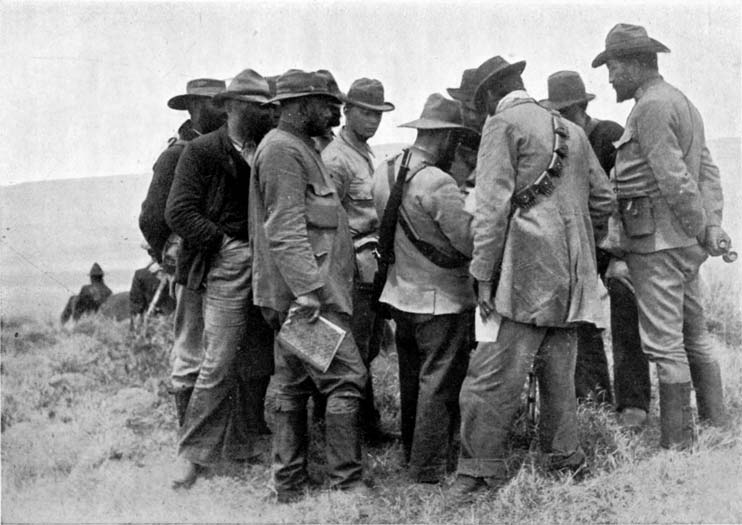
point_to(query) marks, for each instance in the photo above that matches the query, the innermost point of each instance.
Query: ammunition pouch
(544, 184)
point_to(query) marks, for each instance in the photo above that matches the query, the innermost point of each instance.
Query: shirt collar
(511, 98)
(344, 135)
(245, 149)
(649, 83)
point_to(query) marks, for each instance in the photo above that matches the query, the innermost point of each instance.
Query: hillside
(53, 231)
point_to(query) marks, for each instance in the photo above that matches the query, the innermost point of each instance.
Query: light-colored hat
(198, 88)
(247, 86)
(626, 40)
(440, 113)
(566, 88)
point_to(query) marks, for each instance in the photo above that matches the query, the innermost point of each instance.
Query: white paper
(486, 331)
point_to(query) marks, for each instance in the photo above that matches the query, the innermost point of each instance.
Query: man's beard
(255, 127)
(210, 121)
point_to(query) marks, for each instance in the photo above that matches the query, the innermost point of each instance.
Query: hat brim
(653, 46)
(571, 102)
(514, 68)
(430, 123)
(288, 96)
(462, 95)
(179, 101)
(226, 95)
(386, 106)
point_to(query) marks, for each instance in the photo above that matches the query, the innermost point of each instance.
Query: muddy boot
(709, 392)
(343, 449)
(182, 397)
(677, 428)
(290, 441)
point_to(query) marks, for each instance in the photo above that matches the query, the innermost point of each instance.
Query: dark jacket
(90, 298)
(207, 200)
(152, 217)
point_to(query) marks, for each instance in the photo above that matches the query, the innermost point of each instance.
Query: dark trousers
(491, 394)
(630, 364)
(342, 385)
(592, 380)
(433, 356)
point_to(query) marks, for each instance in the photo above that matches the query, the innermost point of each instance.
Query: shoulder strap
(391, 211)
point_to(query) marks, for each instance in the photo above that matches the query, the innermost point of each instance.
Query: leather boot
(343, 449)
(677, 428)
(290, 440)
(182, 397)
(709, 392)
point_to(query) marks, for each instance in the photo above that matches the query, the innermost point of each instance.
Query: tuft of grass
(89, 435)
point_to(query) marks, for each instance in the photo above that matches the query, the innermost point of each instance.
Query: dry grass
(88, 434)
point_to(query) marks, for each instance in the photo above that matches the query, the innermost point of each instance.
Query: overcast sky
(85, 86)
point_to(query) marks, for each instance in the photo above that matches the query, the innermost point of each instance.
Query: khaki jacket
(662, 154)
(434, 206)
(298, 228)
(544, 255)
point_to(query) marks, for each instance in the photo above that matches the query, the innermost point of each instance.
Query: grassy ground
(88, 435)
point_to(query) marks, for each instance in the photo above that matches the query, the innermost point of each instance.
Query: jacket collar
(647, 85)
(512, 99)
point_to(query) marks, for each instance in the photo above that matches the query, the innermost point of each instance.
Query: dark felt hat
(566, 88)
(198, 88)
(626, 40)
(465, 92)
(272, 84)
(493, 69)
(440, 113)
(296, 83)
(368, 93)
(332, 84)
(247, 86)
(96, 270)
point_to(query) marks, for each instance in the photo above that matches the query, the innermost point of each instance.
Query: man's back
(545, 257)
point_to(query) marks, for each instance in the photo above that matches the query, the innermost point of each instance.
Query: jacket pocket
(360, 190)
(637, 216)
(322, 207)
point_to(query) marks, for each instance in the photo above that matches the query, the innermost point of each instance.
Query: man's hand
(309, 305)
(617, 269)
(716, 242)
(485, 300)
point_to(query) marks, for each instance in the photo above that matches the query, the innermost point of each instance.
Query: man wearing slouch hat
(207, 207)
(349, 160)
(540, 192)
(670, 203)
(303, 266)
(428, 288)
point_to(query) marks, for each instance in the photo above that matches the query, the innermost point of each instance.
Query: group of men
(502, 206)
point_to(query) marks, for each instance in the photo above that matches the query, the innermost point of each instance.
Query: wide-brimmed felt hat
(493, 69)
(332, 84)
(465, 92)
(198, 88)
(272, 84)
(296, 83)
(440, 113)
(566, 88)
(96, 270)
(625, 40)
(247, 86)
(368, 93)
